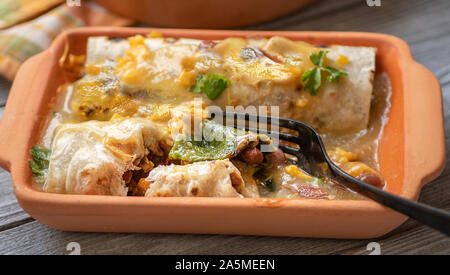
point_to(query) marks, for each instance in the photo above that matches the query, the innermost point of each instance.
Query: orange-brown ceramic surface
(412, 152)
(203, 13)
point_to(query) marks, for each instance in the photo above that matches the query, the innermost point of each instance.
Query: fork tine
(304, 131)
(280, 135)
(289, 150)
(283, 122)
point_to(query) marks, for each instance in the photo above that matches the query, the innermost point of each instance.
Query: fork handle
(434, 217)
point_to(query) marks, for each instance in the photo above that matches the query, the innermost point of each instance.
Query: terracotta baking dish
(203, 13)
(412, 153)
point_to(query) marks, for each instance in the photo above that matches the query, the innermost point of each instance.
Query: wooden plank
(35, 238)
(411, 19)
(412, 237)
(419, 240)
(11, 214)
(320, 9)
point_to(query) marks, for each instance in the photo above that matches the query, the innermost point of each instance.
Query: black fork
(312, 155)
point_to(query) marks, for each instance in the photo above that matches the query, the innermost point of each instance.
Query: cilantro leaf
(198, 83)
(313, 80)
(335, 74)
(217, 142)
(211, 85)
(313, 77)
(269, 184)
(39, 163)
(317, 59)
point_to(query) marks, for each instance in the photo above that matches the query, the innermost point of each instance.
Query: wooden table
(424, 24)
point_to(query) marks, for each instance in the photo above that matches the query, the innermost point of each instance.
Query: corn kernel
(162, 113)
(356, 169)
(155, 34)
(341, 156)
(296, 172)
(342, 60)
(302, 102)
(115, 116)
(187, 78)
(136, 40)
(188, 62)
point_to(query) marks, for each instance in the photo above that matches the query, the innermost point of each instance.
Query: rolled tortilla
(269, 76)
(219, 178)
(91, 157)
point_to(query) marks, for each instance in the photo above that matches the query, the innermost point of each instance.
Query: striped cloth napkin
(18, 42)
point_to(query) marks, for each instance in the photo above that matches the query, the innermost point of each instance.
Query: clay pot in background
(203, 13)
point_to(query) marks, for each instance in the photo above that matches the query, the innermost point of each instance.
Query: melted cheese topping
(152, 71)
